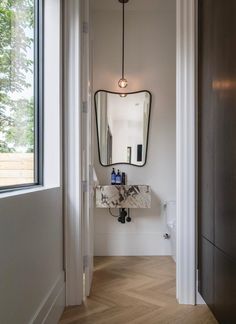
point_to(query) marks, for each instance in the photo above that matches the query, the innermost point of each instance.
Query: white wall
(31, 253)
(150, 64)
(31, 221)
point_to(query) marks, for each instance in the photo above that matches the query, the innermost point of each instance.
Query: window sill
(25, 191)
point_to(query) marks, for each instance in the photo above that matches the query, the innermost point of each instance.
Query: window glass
(18, 93)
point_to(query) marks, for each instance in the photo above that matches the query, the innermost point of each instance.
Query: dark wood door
(217, 156)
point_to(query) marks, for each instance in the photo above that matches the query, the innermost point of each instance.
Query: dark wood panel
(217, 156)
(225, 288)
(206, 122)
(206, 277)
(224, 89)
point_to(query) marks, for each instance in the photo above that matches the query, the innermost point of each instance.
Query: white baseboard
(131, 244)
(53, 305)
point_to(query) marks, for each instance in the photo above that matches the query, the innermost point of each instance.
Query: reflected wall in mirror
(123, 127)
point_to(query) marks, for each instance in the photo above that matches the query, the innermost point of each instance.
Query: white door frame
(87, 139)
(186, 155)
(186, 48)
(73, 196)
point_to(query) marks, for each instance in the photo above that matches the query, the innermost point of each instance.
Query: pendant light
(123, 83)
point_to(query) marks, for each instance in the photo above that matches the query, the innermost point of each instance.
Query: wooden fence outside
(16, 168)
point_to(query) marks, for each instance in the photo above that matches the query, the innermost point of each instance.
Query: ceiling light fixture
(123, 83)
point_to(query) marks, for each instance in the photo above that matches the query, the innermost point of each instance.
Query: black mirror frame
(148, 129)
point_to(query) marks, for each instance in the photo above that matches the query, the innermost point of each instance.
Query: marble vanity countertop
(123, 196)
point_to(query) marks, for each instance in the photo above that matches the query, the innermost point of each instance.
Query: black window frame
(38, 101)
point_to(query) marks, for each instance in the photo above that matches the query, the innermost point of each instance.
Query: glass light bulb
(123, 95)
(123, 83)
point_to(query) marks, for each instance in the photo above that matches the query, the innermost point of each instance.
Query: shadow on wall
(156, 209)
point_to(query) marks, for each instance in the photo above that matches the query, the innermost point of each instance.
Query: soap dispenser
(118, 178)
(113, 177)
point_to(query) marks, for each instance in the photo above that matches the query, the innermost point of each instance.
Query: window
(20, 93)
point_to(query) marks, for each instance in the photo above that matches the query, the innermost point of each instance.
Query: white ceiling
(138, 5)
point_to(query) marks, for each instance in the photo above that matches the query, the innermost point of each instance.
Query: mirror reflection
(122, 127)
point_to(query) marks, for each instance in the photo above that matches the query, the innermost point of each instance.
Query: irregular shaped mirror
(122, 127)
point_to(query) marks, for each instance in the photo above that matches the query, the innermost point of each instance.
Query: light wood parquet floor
(135, 290)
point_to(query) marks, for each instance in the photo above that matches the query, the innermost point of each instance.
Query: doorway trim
(186, 48)
(72, 120)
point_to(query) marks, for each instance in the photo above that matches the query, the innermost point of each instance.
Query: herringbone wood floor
(137, 290)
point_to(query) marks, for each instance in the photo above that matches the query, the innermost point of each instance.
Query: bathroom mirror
(123, 127)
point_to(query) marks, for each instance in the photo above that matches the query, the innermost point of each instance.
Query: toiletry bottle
(118, 178)
(113, 177)
(123, 178)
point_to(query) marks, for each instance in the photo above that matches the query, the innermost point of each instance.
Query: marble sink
(123, 196)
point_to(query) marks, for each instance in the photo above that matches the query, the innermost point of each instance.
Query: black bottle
(113, 177)
(123, 178)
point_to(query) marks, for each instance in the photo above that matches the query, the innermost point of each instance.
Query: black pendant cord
(123, 41)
